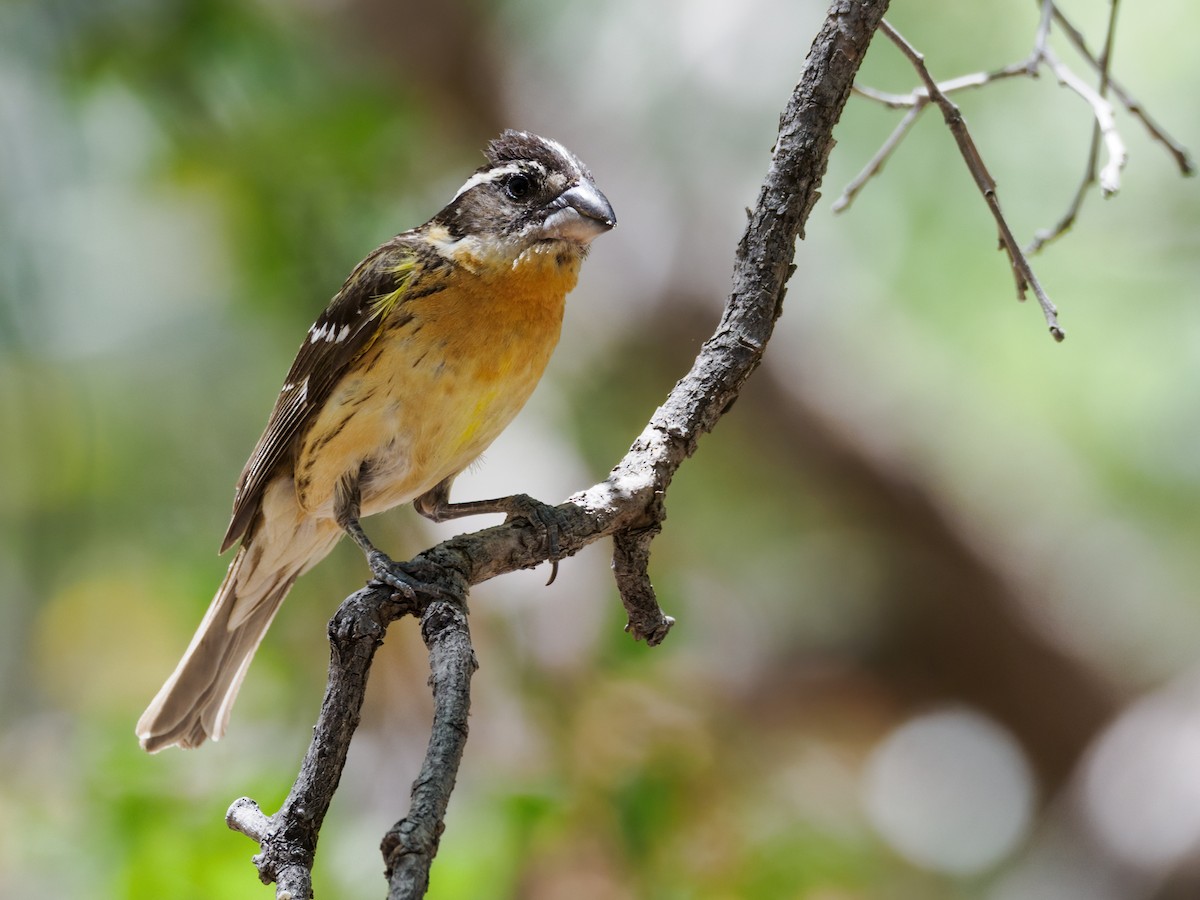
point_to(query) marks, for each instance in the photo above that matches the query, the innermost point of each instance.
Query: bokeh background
(935, 576)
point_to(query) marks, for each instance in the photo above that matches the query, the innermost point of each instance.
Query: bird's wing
(340, 335)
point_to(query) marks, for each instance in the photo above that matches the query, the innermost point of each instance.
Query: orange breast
(432, 393)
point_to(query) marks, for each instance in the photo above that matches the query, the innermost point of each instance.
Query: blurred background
(935, 576)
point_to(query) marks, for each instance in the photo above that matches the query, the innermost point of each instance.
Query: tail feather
(196, 700)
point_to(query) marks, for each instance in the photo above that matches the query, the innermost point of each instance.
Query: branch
(1110, 175)
(1104, 129)
(288, 839)
(631, 569)
(1178, 152)
(627, 505)
(1104, 126)
(409, 847)
(875, 165)
(1022, 271)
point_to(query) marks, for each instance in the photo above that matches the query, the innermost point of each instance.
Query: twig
(1178, 152)
(631, 569)
(915, 103)
(920, 96)
(1110, 177)
(1022, 271)
(1043, 236)
(409, 847)
(875, 164)
(1041, 39)
(626, 505)
(1104, 126)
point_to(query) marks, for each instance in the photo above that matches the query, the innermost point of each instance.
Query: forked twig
(288, 839)
(1178, 152)
(1105, 125)
(1025, 277)
(1104, 128)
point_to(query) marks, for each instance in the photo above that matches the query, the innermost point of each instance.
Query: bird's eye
(518, 186)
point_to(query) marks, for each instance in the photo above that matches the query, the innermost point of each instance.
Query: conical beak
(580, 214)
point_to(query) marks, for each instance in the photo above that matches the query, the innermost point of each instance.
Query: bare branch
(288, 839)
(915, 103)
(1104, 128)
(1044, 236)
(409, 847)
(1063, 225)
(631, 569)
(1110, 175)
(1180, 154)
(1041, 39)
(1022, 271)
(875, 164)
(920, 96)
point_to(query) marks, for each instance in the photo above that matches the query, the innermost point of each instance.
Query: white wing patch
(327, 332)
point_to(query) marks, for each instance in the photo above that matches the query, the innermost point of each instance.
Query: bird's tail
(196, 701)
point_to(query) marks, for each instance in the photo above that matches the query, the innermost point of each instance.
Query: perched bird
(428, 351)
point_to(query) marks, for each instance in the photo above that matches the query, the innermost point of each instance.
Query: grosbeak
(430, 348)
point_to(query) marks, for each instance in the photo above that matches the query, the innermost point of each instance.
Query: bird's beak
(580, 214)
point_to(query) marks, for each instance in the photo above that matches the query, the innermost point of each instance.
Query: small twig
(631, 569)
(1063, 225)
(1178, 152)
(1105, 64)
(1110, 175)
(875, 164)
(1104, 129)
(919, 96)
(1041, 39)
(1022, 271)
(890, 100)
(915, 103)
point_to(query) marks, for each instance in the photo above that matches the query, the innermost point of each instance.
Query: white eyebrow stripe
(484, 177)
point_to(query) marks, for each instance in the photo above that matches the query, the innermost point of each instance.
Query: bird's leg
(435, 505)
(346, 505)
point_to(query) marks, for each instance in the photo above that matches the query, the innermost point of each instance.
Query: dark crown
(516, 146)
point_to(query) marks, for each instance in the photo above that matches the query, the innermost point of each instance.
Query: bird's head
(533, 191)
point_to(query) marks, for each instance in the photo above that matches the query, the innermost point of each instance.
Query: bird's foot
(406, 580)
(385, 572)
(546, 519)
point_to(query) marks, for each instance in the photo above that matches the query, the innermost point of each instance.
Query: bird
(432, 345)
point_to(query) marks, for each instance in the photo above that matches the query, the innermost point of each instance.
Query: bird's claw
(405, 579)
(387, 573)
(545, 519)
